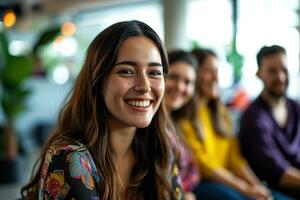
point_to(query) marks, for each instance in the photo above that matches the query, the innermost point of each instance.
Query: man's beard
(275, 94)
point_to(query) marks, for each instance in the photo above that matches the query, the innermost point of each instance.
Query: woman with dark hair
(179, 97)
(111, 142)
(225, 173)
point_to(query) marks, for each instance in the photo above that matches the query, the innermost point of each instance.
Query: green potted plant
(14, 71)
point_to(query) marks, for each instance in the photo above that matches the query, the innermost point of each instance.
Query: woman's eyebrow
(155, 64)
(127, 63)
(132, 63)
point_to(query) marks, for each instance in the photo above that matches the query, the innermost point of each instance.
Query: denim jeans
(209, 190)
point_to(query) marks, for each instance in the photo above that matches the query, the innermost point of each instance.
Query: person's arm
(69, 176)
(291, 178)
(209, 166)
(259, 148)
(222, 175)
(207, 163)
(226, 177)
(240, 168)
(246, 173)
(239, 165)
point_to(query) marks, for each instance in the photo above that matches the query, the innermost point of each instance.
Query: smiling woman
(110, 141)
(135, 86)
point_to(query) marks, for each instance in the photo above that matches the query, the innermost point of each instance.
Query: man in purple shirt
(270, 127)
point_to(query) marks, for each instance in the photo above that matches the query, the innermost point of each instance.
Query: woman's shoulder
(71, 167)
(73, 156)
(65, 149)
(72, 152)
(63, 145)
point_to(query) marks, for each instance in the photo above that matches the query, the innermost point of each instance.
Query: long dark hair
(84, 119)
(219, 116)
(187, 111)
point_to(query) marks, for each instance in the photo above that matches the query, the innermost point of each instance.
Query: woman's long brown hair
(219, 117)
(84, 119)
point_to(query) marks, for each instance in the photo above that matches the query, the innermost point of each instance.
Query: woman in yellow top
(225, 173)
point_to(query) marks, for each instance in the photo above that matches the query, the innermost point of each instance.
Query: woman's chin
(141, 124)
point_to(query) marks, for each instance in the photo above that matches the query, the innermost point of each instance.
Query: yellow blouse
(214, 151)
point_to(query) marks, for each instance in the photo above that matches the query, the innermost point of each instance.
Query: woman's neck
(203, 101)
(123, 157)
(121, 141)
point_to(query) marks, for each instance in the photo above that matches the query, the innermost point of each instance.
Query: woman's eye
(173, 77)
(189, 82)
(126, 72)
(155, 73)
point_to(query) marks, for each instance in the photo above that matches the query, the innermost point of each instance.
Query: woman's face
(208, 78)
(180, 85)
(134, 88)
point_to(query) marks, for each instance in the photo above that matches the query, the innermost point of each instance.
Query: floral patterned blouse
(188, 171)
(69, 172)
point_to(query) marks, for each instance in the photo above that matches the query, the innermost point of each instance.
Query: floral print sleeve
(68, 173)
(176, 183)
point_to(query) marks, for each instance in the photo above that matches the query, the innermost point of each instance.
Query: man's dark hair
(267, 51)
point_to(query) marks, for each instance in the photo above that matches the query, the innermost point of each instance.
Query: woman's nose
(180, 85)
(214, 75)
(142, 84)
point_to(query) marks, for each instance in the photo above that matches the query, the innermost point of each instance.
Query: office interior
(48, 39)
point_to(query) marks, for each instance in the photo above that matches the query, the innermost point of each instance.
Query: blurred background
(43, 44)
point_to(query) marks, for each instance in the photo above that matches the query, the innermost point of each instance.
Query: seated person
(180, 89)
(225, 173)
(111, 139)
(270, 127)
